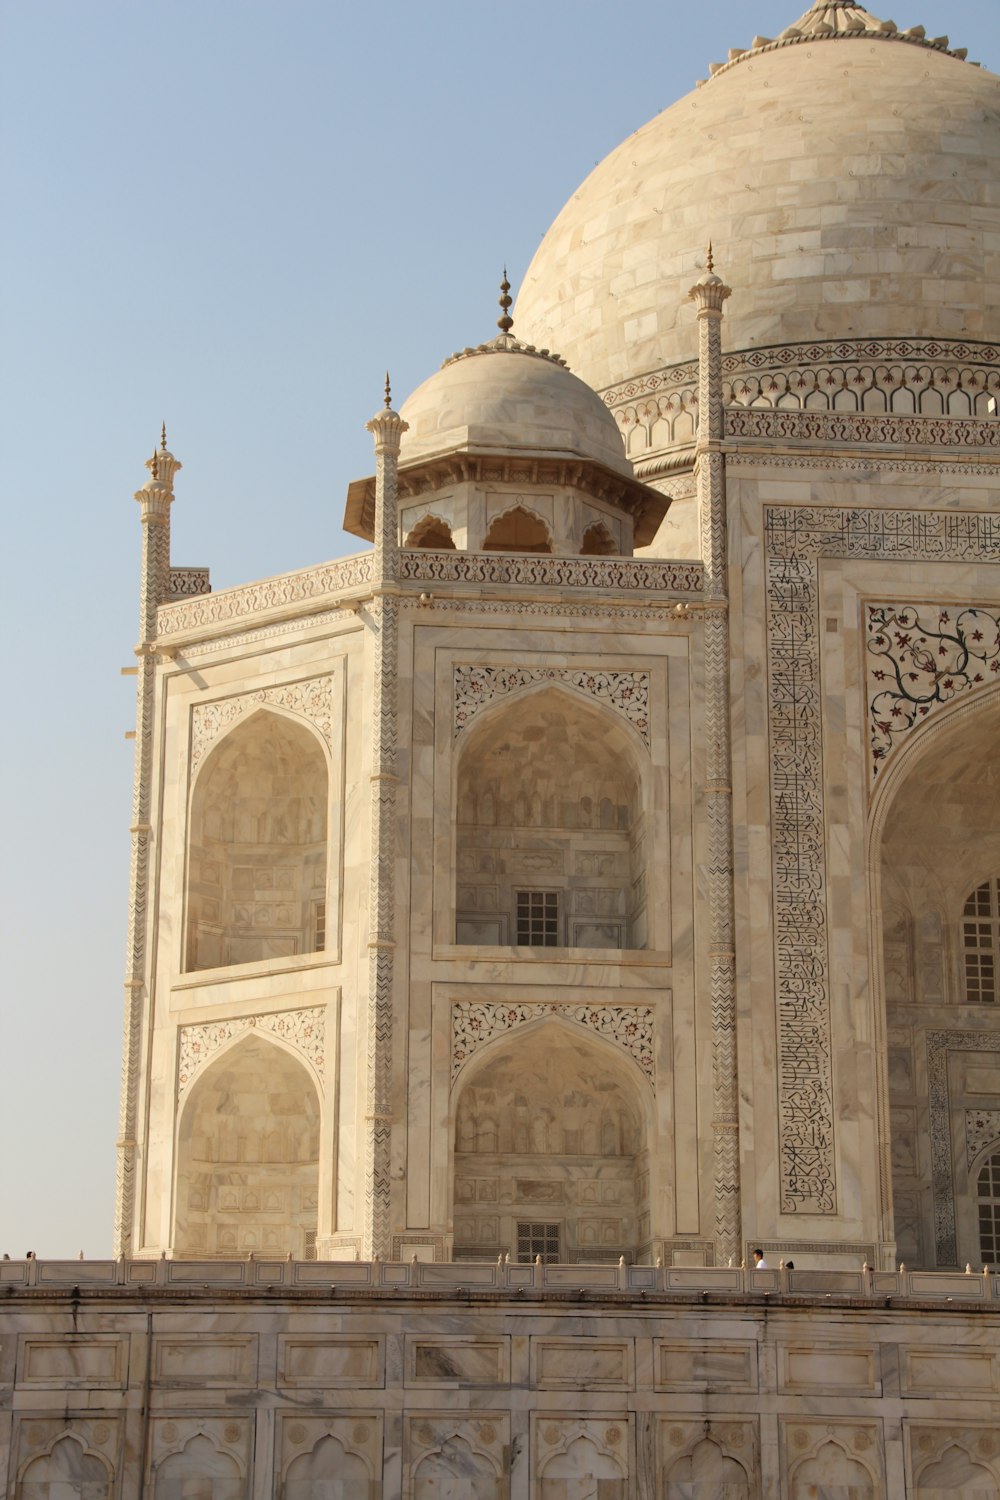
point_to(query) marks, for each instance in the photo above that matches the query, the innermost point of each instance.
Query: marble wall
(251, 1394)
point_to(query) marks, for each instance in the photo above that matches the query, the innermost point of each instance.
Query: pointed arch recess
(431, 531)
(258, 840)
(553, 1125)
(553, 832)
(518, 529)
(247, 1154)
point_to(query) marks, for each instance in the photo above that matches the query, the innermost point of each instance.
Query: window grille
(537, 919)
(319, 926)
(980, 942)
(538, 1239)
(988, 1195)
(310, 1251)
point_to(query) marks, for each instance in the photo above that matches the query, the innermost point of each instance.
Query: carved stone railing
(310, 587)
(536, 1281)
(630, 575)
(657, 412)
(186, 583)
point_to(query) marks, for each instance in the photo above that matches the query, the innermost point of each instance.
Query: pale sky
(232, 215)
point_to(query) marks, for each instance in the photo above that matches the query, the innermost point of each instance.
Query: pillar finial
(388, 392)
(154, 464)
(163, 436)
(505, 323)
(709, 259)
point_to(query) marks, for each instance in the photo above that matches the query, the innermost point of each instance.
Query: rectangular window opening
(537, 919)
(538, 1239)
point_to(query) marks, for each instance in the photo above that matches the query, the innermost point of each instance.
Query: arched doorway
(938, 914)
(248, 1156)
(551, 829)
(258, 846)
(551, 1152)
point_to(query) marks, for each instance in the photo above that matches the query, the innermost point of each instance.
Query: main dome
(848, 175)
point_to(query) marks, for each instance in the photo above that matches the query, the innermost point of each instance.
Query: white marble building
(600, 875)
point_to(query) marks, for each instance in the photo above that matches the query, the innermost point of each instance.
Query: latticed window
(989, 1210)
(537, 919)
(319, 926)
(538, 1239)
(310, 1250)
(981, 942)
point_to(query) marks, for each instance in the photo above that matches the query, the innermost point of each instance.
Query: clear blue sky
(233, 215)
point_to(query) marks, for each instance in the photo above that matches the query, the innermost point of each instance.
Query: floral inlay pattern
(302, 1029)
(920, 657)
(625, 692)
(475, 1022)
(312, 700)
(982, 1128)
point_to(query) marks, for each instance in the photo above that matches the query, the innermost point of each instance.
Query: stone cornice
(971, 434)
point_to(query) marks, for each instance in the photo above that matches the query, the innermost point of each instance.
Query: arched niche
(455, 1472)
(956, 1476)
(328, 1472)
(706, 1470)
(257, 857)
(597, 541)
(65, 1472)
(198, 1472)
(431, 532)
(551, 1150)
(552, 836)
(582, 1470)
(831, 1471)
(518, 530)
(935, 844)
(248, 1156)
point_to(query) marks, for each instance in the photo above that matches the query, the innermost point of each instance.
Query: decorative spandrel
(921, 657)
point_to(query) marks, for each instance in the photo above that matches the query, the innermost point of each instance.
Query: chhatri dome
(846, 172)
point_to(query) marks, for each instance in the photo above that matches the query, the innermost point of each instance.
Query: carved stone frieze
(302, 1029)
(312, 700)
(920, 657)
(476, 1022)
(627, 693)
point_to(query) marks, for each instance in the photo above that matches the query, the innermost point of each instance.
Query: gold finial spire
(163, 436)
(506, 322)
(154, 466)
(710, 259)
(388, 392)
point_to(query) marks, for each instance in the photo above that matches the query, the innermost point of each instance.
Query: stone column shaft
(388, 429)
(709, 294)
(155, 498)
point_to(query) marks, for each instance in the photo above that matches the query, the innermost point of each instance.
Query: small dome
(507, 398)
(846, 174)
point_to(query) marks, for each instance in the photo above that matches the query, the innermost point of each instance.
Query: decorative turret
(156, 497)
(387, 428)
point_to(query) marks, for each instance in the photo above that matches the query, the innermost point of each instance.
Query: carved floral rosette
(476, 1022)
(920, 657)
(625, 692)
(304, 1030)
(312, 700)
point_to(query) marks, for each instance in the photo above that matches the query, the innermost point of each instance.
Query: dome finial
(506, 322)
(154, 467)
(709, 259)
(163, 436)
(388, 392)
